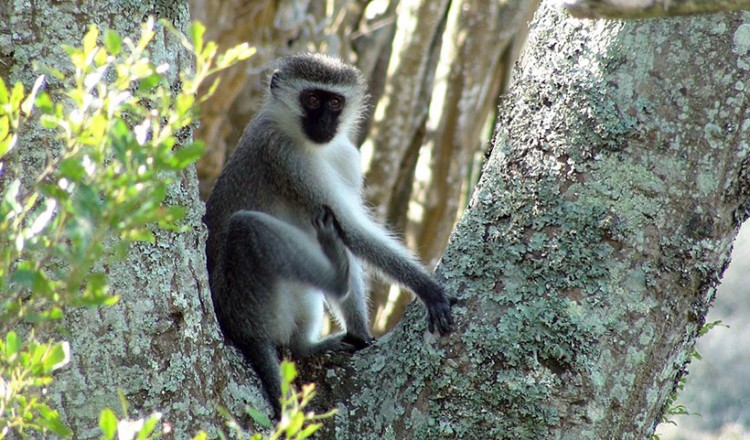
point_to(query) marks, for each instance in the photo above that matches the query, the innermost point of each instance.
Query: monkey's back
(249, 181)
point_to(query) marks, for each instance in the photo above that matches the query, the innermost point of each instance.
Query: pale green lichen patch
(741, 40)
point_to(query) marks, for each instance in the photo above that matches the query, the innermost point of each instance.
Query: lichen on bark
(588, 256)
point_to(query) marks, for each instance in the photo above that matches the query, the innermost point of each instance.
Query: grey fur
(287, 227)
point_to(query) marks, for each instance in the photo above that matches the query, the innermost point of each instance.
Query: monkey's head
(324, 96)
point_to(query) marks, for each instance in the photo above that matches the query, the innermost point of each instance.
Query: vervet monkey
(288, 230)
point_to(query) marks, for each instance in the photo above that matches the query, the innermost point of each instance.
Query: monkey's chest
(299, 312)
(342, 164)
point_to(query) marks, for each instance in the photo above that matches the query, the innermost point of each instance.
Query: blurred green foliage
(296, 422)
(121, 136)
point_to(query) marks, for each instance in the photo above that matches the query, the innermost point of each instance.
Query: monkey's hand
(439, 312)
(328, 230)
(358, 342)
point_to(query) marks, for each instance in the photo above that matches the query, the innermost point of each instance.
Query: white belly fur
(299, 311)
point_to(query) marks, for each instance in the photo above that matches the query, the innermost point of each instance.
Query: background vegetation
(717, 390)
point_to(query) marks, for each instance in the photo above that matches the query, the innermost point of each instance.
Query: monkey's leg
(306, 341)
(269, 249)
(262, 357)
(352, 312)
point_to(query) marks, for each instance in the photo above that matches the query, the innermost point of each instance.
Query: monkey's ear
(275, 79)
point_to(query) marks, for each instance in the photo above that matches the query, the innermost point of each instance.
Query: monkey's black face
(321, 114)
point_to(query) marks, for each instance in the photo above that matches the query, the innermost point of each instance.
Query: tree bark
(591, 248)
(649, 8)
(160, 345)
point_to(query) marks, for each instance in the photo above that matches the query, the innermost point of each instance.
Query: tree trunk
(589, 254)
(160, 345)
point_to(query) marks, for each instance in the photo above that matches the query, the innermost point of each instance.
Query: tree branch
(649, 8)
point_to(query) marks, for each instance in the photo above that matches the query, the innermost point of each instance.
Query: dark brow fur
(319, 68)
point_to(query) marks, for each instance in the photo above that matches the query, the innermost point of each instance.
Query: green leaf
(209, 52)
(56, 358)
(4, 126)
(48, 121)
(183, 103)
(89, 40)
(97, 129)
(122, 139)
(16, 95)
(295, 424)
(37, 352)
(25, 275)
(309, 430)
(78, 60)
(7, 144)
(96, 287)
(100, 58)
(143, 235)
(197, 31)
(149, 82)
(72, 169)
(12, 344)
(48, 70)
(88, 202)
(147, 33)
(108, 423)
(44, 103)
(234, 54)
(50, 420)
(188, 154)
(112, 41)
(258, 417)
(3, 93)
(288, 371)
(148, 427)
(53, 314)
(169, 216)
(211, 89)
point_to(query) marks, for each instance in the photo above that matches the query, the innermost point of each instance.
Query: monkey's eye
(312, 101)
(335, 104)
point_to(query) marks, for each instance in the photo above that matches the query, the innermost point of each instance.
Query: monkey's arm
(372, 242)
(275, 250)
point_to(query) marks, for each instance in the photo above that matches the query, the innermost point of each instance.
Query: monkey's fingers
(357, 341)
(333, 220)
(440, 318)
(328, 216)
(322, 217)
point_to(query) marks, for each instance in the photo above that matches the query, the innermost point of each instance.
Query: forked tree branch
(649, 8)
